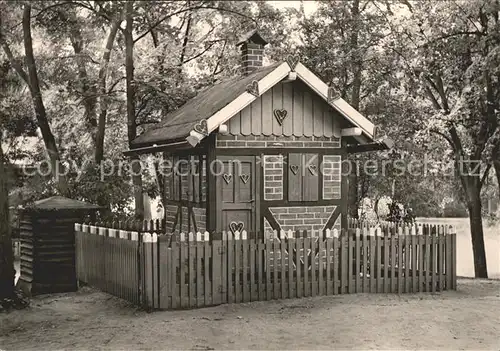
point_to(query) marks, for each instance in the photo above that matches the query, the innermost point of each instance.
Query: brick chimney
(252, 51)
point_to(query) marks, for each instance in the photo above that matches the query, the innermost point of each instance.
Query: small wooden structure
(259, 152)
(48, 244)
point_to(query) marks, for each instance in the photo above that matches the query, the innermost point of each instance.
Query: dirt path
(466, 319)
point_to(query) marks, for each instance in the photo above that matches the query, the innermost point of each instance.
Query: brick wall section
(332, 176)
(302, 218)
(273, 177)
(262, 141)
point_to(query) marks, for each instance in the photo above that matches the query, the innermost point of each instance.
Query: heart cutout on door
(236, 227)
(245, 178)
(294, 169)
(201, 127)
(280, 115)
(227, 177)
(312, 169)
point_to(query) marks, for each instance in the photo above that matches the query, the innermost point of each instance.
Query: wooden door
(237, 194)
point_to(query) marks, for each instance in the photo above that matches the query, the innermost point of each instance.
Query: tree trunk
(41, 116)
(7, 272)
(476, 228)
(103, 106)
(354, 193)
(496, 164)
(131, 122)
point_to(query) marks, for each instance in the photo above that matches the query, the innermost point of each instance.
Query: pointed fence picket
(189, 270)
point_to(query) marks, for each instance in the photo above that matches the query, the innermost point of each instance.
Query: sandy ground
(465, 319)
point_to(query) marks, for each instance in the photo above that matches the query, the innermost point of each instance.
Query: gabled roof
(62, 203)
(217, 104)
(177, 124)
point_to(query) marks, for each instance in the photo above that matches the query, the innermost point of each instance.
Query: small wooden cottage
(48, 244)
(258, 152)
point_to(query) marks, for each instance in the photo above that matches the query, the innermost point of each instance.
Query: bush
(455, 209)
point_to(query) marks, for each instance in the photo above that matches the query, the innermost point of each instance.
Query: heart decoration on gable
(280, 115)
(236, 227)
(227, 177)
(294, 169)
(245, 178)
(332, 95)
(312, 169)
(253, 88)
(292, 61)
(201, 127)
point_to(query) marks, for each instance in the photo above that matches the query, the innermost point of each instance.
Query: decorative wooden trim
(340, 104)
(212, 204)
(242, 101)
(253, 88)
(292, 61)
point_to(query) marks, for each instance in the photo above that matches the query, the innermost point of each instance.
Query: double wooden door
(238, 197)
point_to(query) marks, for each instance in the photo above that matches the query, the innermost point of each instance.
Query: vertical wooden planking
(321, 264)
(217, 257)
(245, 285)
(400, 263)
(291, 286)
(261, 285)
(414, 268)
(173, 279)
(365, 252)
(372, 256)
(298, 266)
(305, 272)
(269, 291)
(234, 126)
(191, 273)
(287, 127)
(256, 111)
(237, 268)
(421, 258)
(182, 281)
(276, 287)
(447, 268)
(224, 267)
(336, 270)
(308, 113)
(386, 241)
(407, 259)
(349, 264)
(440, 262)
(357, 258)
(199, 273)
(164, 267)
(330, 284)
(426, 263)
(314, 283)
(207, 286)
(295, 177)
(328, 118)
(253, 286)
(433, 260)
(230, 268)
(454, 260)
(269, 123)
(343, 263)
(318, 107)
(283, 268)
(246, 119)
(298, 110)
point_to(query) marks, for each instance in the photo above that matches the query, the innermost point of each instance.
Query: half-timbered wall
(185, 192)
(301, 177)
